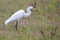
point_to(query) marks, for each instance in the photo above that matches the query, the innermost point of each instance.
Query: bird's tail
(6, 22)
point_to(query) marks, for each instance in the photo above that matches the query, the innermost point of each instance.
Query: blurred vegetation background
(43, 24)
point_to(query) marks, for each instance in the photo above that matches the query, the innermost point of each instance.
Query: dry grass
(44, 18)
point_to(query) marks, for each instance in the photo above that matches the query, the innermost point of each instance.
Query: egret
(19, 15)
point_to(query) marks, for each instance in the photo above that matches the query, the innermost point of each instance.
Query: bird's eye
(30, 9)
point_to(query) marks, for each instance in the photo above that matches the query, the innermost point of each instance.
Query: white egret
(18, 15)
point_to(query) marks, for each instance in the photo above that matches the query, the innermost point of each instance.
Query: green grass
(43, 18)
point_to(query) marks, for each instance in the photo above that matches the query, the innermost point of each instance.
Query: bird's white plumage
(18, 15)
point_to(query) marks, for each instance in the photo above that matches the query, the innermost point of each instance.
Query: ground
(43, 24)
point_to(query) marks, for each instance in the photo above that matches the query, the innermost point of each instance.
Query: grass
(38, 26)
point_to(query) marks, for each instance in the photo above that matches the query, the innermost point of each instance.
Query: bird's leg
(16, 25)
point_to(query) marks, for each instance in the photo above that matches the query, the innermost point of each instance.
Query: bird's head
(30, 8)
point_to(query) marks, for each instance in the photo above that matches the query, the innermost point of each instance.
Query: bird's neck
(28, 12)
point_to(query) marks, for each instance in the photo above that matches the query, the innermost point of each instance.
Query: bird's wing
(17, 15)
